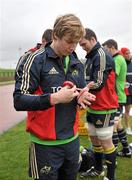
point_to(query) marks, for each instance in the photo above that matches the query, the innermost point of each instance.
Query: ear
(54, 36)
(93, 39)
(112, 48)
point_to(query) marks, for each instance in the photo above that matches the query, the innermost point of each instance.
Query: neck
(114, 52)
(54, 47)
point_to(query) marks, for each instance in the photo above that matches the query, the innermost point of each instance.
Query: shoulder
(120, 58)
(36, 56)
(102, 53)
(103, 56)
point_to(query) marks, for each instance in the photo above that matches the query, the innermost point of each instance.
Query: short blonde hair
(70, 25)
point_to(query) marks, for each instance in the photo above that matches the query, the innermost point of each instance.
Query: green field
(14, 156)
(7, 74)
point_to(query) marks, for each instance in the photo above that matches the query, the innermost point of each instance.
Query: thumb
(74, 90)
(90, 85)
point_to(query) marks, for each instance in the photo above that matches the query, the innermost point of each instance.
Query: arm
(29, 82)
(101, 70)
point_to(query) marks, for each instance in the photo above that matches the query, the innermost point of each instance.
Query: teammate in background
(121, 69)
(54, 150)
(128, 88)
(38, 45)
(46, 38)
(100, 69)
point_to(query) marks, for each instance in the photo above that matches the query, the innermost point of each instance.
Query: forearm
(26, 102)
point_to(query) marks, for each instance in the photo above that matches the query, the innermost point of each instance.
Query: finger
(90, 85)
(84, 91)
(87, 102)
(79, 89)
(76, 93)
(74, 88)
(83, 105)
(91, 97)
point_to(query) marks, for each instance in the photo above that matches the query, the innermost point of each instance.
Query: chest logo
(53, 71)
(75, 73)
(45, 170)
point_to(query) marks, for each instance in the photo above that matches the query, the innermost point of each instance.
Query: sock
(123, 139)
(115, 139)
(98, 155)
(110, 158)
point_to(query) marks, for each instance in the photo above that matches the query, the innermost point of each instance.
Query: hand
(85, 98)
(65, 95)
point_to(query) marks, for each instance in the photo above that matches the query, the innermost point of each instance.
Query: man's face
(65, 45)
(87, 45)
(43, 42)
(127, 55)
(108, 49)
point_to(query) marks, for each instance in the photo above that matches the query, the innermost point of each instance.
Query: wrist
(54, 99)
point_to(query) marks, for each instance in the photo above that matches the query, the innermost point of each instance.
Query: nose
(73, 46)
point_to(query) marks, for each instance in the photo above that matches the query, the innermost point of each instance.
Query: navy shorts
(59, 162)
(101, 120)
